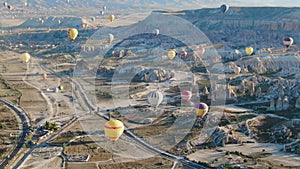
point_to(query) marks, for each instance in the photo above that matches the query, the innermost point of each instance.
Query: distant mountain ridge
(247, 26)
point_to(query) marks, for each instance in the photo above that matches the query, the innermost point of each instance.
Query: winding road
(25, 130)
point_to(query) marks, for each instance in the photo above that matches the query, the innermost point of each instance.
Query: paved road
(25, 131)
(142, 142)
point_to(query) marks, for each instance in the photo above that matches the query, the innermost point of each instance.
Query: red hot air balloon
(183, 54)
(186, 96)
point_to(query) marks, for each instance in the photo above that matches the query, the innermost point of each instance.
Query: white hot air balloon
(110, 38)
(156, 32)
(155, 98)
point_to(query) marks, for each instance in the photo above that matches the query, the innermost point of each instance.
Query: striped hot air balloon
(186, 95)
(113, 129)
(155, 98)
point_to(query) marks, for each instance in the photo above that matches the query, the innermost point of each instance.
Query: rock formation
(298, 103)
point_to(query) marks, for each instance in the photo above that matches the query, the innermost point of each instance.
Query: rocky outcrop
(153, 75)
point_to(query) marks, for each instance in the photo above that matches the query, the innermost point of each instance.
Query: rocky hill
(247, 26)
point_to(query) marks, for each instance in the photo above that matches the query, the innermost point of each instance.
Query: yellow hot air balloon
(249, 50)
(25, 57)
(111, 17)
(44, 76)
(113, 129)
(171, 54)
(72, 33)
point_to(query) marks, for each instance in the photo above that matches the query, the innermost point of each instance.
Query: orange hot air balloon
(44, 76)
(113, 129)
(201, 109)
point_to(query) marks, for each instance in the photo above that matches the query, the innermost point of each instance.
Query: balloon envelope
(113, 129)
(224, 8)
(186, 95)
(111, 17)
(171, 54)
(44, 75)
(72, 33)
(25, 57)
(156, 32)
(288, 41)
(201, 109)
(249, 50)
(155, 98)
(110, 38)
(183, 54)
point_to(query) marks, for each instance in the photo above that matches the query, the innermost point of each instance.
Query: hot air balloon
(236, 51)
(25, 57)
(171, 54)
(237, 70)
(288, 41)
(186, 96)
(9, 7)
(224, 8)
(93, 18)
(201, 50)
(41, 21)
(249, 50)
(72, 33)
(44, 76)
(111, 17)
(110, 38)
(201, 109)
(183, 54)
(113, 129)
(155, 98)
(156, 32)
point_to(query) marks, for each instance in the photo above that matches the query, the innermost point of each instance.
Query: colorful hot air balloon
(186, 96)
(113, 129)
(183, 54)
(72, 33)
(201, 109)
(111, 17)
(25, 57)
(288, 41)
(44, 76)
(155, 98)
(156, 32)
(249, 50)
(110, 38)
(171, 54)
(224, 8)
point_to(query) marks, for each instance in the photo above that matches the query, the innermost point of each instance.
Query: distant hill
(247, 26)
